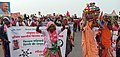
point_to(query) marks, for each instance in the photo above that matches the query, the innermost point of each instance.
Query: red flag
(68, 14)
(101, 15)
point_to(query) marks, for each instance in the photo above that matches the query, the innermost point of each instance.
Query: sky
(60, 6)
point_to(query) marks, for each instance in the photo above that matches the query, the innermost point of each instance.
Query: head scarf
(50, 23)
(5, 26)
(65, 19)
(6, 18)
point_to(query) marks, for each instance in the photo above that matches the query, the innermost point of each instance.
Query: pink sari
(53, 38)
(51, 52)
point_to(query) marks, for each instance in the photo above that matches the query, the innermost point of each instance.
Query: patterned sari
(55, 50)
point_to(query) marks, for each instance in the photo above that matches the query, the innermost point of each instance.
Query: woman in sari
(89, 44)
(53, 50)
(106, 39)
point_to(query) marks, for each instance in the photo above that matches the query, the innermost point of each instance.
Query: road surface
(77, 51)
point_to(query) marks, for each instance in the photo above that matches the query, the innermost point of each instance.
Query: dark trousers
(68, 47)
(75, 27)
(118, 52)
(7, 50)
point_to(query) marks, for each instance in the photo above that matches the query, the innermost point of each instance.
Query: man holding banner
(3, 36)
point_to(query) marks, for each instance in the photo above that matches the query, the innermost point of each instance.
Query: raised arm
(63, 27)
(38, 30)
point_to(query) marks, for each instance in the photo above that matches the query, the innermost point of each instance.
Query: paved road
(77, 51)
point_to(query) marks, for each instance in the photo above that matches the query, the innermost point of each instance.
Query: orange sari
(106, 41)
(89, 48)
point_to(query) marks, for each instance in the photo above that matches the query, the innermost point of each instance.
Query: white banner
(26, 42)
(62, 42)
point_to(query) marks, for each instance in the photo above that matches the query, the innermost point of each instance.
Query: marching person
(1, 23)
(53, 48)
(118, 45)
(68, 41)
(89, 43)
(20, 21)
(106, 37)
(29, 22)
(3, 35)
(58, 21)
(13, 22)
(34, 21)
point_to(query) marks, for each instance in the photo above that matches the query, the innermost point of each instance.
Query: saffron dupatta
(88, 42)
(106, 41)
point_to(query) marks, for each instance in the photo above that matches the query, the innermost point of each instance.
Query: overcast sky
(61, 6)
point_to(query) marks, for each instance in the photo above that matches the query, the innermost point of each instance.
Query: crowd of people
(49, 21)
(96, 31)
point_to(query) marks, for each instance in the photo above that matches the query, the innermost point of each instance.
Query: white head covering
(7, 18)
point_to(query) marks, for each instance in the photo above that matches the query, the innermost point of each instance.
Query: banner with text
(26, 42)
